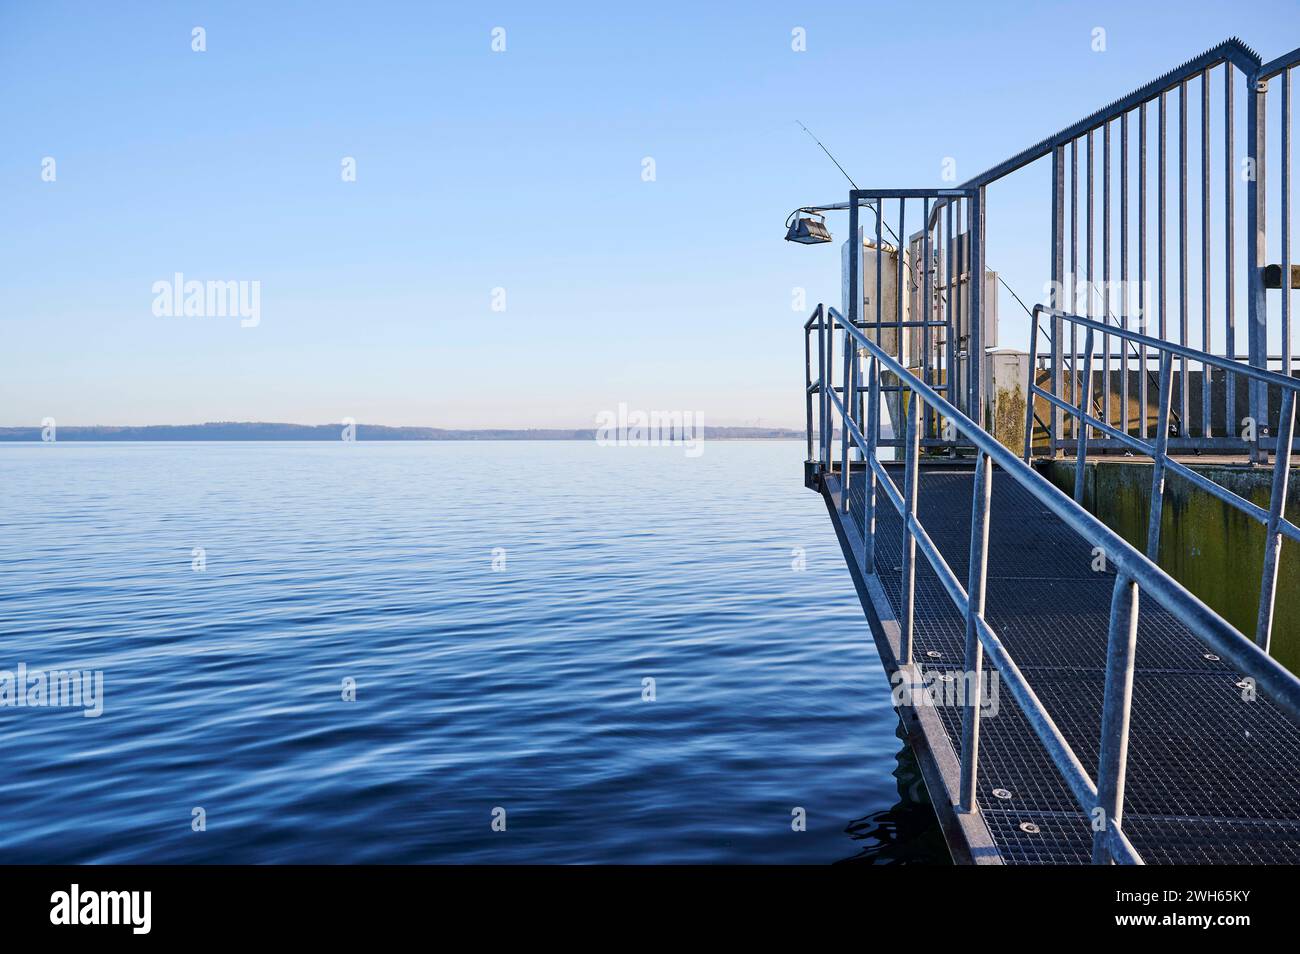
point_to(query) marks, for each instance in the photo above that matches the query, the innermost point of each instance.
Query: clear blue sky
(478, 170)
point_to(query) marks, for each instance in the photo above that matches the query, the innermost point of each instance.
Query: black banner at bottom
(333, 904)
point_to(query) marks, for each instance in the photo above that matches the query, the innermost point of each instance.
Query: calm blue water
(519, 688)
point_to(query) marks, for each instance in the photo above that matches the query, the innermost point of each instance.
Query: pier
(1133, 724)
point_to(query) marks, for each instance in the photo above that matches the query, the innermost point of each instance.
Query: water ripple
(475, 688)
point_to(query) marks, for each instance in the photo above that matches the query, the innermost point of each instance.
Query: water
(519, 688)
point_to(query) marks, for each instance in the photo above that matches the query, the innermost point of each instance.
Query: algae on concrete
(1213, 549)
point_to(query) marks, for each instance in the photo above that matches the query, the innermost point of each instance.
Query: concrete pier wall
(1213, 549)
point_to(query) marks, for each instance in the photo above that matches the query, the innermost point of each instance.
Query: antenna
(886, 224)
(828, 154)
(850, 178)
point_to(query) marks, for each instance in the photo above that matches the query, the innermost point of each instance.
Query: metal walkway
(1106, 659)
(1067, 699)
(1212, 778)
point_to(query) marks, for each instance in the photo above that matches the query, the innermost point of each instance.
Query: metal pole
(1091, 286)
(963, 303)
(1105, 271)
(1285, 222)
(1144, 300)
(1081, 452)
(821, 386)
(1256, 255)
(974, 655)
(854, 316)
(855, 263)
(1058, 325)
(1207, 428)
(1073, 307)
(880, 267)
(1161, 253)
(910, 467)
(1183, 378)
(952, 313)
(898, 294)
(1276, 510)
(848, 396)
(828, 384)
(927, 309)
(873, 438)
(1116, 711)
(977, 306)
(1124, 299)
(1158, 458)
(1229, 279)
(807, 379)
(1033, 380)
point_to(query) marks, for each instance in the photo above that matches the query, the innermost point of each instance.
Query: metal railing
(1274, 520)
(1102, 801)
(1182, 286)
(930, 327)
(1206, 235)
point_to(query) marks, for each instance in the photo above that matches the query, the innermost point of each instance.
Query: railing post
(1284, 221)
(880, 270)
(873, 438)
(1057, 301)
(853, 318)
(975, 347)
(1207, 417)
(828, 386)
(821, 386)
(1158, 457)
(1081, 423)
(1184, 380)
(1125, 299)
(855, 260)
(974, 656)
(951, 316)
(807, 378)
(910, 468)
(847, 396)
(1144, 301)
(1033, 382)
(1276, 509)
(898, 295)
(1256, 255)
(927, 311)
(1116, 711)
(1231, 426)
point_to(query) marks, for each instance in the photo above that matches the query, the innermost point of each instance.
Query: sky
(503, 257)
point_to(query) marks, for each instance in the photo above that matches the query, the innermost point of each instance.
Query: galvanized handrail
(1166, 99)
(1231, 50)
(1274, 519)
(1102, 801)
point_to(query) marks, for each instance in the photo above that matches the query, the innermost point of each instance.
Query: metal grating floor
(1212, 778)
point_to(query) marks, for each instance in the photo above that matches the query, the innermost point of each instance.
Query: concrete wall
(1213, 549)
(1007, 371)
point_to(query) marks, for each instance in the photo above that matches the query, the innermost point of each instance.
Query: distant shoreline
(240, 431)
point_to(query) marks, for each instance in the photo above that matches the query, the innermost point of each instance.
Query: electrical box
(949, 300)
(949, 296)
(960, 289)
(888, 292)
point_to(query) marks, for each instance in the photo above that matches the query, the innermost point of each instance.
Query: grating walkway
(1212, 778)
